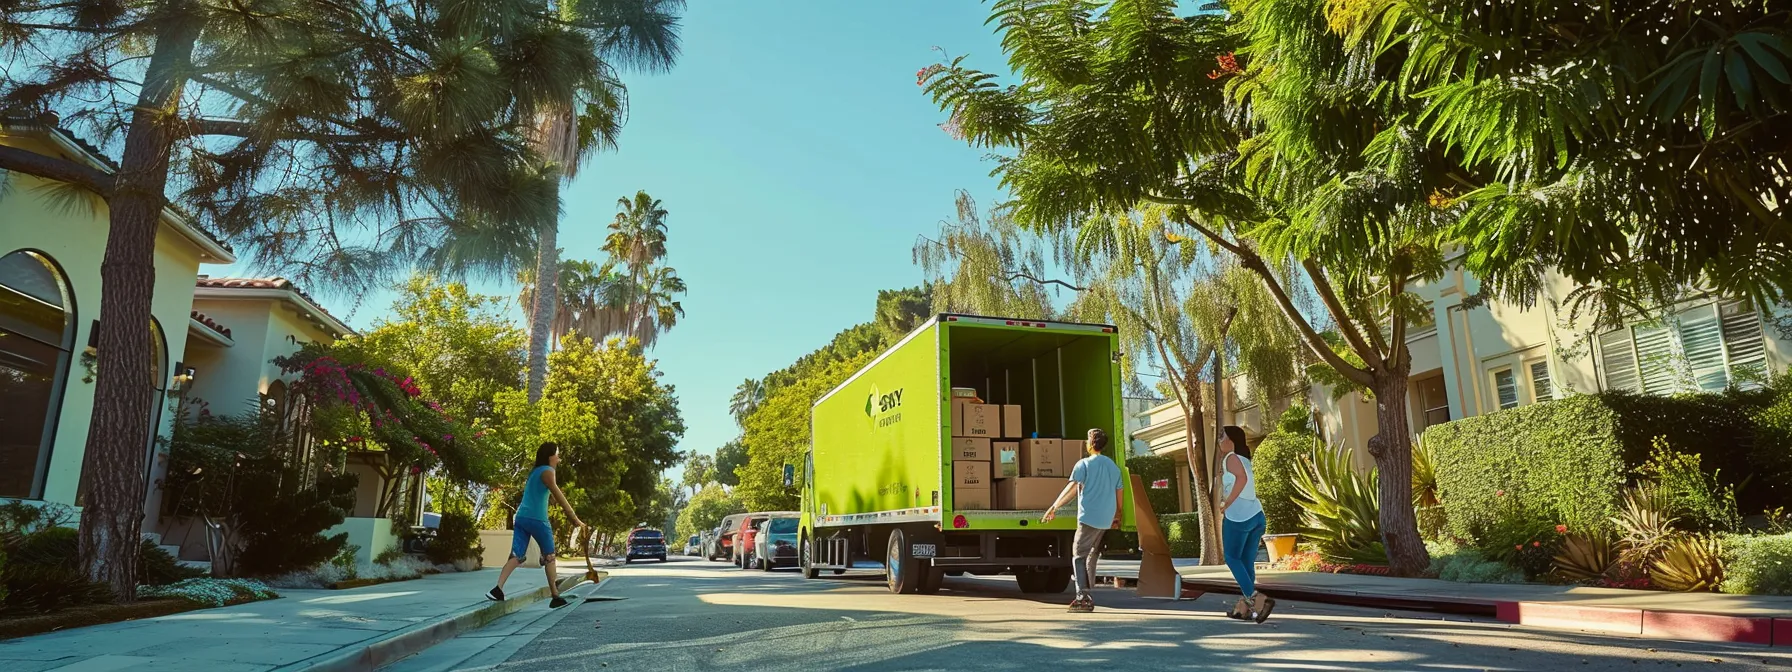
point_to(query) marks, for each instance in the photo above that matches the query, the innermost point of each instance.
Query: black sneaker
(496, 594)
(557, 602)
(1082, 605)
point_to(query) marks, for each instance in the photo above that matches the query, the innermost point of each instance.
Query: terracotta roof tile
(265, 283)
(211, 324)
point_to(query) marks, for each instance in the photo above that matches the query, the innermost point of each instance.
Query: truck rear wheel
(901, 572)
(1045, 581)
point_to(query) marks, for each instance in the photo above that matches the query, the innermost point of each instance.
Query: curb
(1651, 623)
(1682, 625)
(400, 644)
(1459, 607)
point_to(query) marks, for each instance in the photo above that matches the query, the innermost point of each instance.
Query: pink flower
(1519, 547)
(1499, 493)
(1561, 529)
(1536, 544)
(416, 469)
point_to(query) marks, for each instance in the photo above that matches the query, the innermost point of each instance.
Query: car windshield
(647, 535)
(782, 526)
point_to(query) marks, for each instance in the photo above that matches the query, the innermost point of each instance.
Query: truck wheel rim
(893, 562)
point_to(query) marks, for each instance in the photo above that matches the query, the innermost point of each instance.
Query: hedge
(1154, 468)
(1570, 457)
(1274, 461)
(1184, 533)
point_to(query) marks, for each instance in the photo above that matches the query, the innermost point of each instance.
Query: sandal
(1239, 610)
(1269, 605)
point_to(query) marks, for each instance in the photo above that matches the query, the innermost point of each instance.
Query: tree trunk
(1193, 426)
(541, 315)
(1219, 422)
(123, 394)
(1392, 449)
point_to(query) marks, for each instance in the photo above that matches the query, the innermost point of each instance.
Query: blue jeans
(1239, 544)
(532, 528)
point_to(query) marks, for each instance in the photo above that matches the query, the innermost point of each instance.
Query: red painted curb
(1708, 627)
(1782, 632)
(1506, 611)
(1602, 619)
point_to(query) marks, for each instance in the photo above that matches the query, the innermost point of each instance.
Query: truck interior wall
(1010, 367)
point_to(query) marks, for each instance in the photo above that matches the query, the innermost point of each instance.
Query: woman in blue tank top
(532, 523)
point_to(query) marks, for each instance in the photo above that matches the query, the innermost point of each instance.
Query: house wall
(74, 235)
(231, 379)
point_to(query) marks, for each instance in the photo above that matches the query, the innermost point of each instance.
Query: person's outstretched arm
(547, 479)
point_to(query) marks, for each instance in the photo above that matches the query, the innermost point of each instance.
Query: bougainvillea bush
(359, 403)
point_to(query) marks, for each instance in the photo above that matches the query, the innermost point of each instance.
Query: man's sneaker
(1082, 605)
(496, 594)
(557, 602)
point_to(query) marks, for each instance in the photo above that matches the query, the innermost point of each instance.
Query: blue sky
(797, 170)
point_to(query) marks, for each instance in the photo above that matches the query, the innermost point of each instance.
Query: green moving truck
(877, 483)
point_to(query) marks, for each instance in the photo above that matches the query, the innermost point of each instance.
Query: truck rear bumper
(1001, 562)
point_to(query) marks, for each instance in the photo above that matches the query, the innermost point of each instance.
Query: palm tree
(638, 235)
(592, 300)
(656, 304)
(637, 34)
(747, 399)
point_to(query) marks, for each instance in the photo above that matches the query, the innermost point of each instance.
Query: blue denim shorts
(532, 528)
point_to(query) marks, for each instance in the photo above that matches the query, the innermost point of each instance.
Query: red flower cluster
(1561, 529)
(1228, 66)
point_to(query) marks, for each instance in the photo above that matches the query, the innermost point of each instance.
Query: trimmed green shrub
(1570, 457)
(1770, 457)
(1183, 530)
(1454, 562)
(155, 567)
(1757, 565)
(43, 573)
(1274, 462)
(283, 532)
(456, 538)
(1151, 468)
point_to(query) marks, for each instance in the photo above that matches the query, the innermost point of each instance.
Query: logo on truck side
(883, 410)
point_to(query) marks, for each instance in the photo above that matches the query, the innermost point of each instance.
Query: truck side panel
(877, 437)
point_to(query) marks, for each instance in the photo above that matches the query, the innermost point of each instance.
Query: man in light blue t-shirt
(1091, 480)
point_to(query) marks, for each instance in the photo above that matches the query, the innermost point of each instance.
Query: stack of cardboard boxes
(993, 467)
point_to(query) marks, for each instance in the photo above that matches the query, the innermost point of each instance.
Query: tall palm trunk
(557, 141)
(541, 314)
(113, 464)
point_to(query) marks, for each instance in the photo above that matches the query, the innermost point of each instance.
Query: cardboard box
(1028, 493)
(971, 485)
(973, 498)
(1007, 459)
(971, 449)
(958, 417)
(983, 420)
(1074, 451)
(1042, 457)
(1011, 422)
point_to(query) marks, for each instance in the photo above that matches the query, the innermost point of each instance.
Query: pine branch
(1014, 276)
(61, 170)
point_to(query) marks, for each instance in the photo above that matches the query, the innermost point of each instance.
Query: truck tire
(808, 550)
(901, 573)
(1043, 581)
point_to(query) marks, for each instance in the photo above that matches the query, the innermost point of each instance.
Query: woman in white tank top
(1241, 529)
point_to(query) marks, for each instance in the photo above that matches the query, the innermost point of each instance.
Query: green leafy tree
(1292, 157)
(459, 347)
(986, 267)
(699, 471)
(335, 141)
(778, 434)
(730, 458)
(900, 311)
(706, 510)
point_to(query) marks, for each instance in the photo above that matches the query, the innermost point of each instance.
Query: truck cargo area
(1061, 381)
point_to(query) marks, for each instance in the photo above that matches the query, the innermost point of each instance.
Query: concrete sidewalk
(1757, 619)
(303, 630)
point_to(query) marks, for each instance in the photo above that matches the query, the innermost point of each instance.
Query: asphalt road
(695, 615)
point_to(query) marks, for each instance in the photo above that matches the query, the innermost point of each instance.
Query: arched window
(37, 335)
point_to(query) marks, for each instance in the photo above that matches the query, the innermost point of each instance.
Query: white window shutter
(1542, 388)
(1619, 360)
(1655, 355)
(1702, 341)
(1744, 344)
(1506, 385)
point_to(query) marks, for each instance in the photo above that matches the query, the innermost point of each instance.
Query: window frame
(1549, 378)
(1494, 377)
(60, 371)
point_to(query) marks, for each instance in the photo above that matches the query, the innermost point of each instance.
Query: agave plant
(1688, 563)
(1427, 500)
(1644, 520)
(1586, 557)
(1340, 510)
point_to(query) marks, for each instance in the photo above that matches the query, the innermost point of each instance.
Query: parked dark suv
(646, 543)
